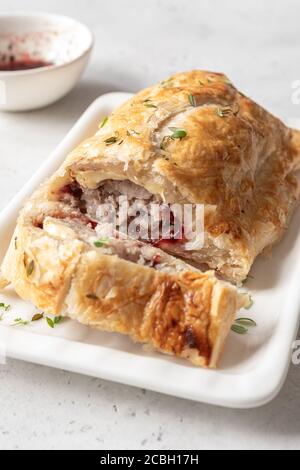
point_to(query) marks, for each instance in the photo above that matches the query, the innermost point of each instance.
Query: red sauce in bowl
(14, 65)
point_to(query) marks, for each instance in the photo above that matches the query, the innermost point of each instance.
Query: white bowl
(60, 42)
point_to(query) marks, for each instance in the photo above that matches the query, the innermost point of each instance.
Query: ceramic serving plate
(254, 366)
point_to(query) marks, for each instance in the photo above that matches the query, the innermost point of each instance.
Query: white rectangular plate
(253, 367)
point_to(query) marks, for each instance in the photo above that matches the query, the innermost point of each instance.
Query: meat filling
(105, 206)
(100, 206)
(84, 214)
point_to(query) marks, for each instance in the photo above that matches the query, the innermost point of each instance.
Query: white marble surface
(257, 43)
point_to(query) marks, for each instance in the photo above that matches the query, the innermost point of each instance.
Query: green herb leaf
(247, 322)
(20, 322)
(192, 100)
(241, 325)
(6, 307)
(53, 322)
(30, 268)
(102, 242)
(111, 140)
(178, 133)
(103, 122)
(239, 329)
(50, 322)
(148, 103)
(92, 297)
(37, 317)
(225, 111)
(16, 243)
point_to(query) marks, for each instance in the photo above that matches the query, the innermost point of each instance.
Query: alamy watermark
(296, 352)
(154, 222)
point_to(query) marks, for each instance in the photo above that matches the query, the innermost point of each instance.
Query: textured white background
(256, 42)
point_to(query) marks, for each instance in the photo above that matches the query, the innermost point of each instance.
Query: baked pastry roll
(56, 261)
(192, 139)
(195, 139)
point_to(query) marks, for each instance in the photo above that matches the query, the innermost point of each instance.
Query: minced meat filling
(91, 224)
(101, 205)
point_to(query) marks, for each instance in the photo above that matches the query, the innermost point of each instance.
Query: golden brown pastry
(190, 139)
(235, 158)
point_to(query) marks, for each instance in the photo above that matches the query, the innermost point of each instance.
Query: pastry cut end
(122, 286)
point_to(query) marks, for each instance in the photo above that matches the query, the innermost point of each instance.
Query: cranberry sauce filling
(73, 189)
(87, 201)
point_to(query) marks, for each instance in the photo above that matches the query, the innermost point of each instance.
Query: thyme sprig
(30, 268)
(37, 317)
(20, 322)
(192, 100)
(113, 139)
(104, 122)
(177, 133)
(5, 307)
(242, 325)
(92, 297)
(54, 322)
(148, 103)
(101, 243)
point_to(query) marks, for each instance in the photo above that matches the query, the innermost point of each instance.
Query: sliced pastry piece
(57, 261)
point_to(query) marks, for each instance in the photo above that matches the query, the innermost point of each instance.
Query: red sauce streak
(171, 241)
(92, 223)
(156, 260)
(73, 189)
(28, 64)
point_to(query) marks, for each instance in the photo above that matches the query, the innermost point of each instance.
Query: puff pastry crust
(235, 158)
(53, 262)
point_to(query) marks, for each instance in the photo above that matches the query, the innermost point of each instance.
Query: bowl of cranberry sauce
(42, 57)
